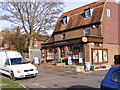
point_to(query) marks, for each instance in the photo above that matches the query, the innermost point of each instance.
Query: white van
(15, 66)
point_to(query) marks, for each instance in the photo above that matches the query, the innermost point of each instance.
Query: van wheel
(12, 77)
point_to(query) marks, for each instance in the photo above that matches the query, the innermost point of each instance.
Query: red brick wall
(110, 25)
(76, 33)
(112, 50)
(57, 37)
(110, 31)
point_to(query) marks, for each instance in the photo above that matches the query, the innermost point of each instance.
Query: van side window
(7, 62)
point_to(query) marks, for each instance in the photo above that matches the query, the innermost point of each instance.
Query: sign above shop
(74, 41)
(84, 39)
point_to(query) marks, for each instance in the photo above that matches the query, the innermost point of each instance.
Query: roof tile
(77, 16)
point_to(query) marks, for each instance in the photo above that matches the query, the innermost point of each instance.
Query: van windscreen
(15, 61)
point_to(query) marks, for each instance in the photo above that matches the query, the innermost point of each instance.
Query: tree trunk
(31, 42)
(30, 47)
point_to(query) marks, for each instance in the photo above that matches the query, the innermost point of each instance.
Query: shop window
(100, 56)
(65, 20)
(87, 31)
(62, 52)
(51, 54)
(108, 12)
(76, 52)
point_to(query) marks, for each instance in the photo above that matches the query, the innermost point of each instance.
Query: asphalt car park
(48, 78)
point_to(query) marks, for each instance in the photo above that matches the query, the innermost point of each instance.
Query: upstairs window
(63, 36)
(108, 13)
(88, 12)
(6, 46)
(65, 20)
(87, 31)
(34, 43)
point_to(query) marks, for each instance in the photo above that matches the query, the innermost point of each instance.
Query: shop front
(73, 51)
(57, 51)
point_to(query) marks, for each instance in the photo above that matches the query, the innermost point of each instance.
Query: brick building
(89, 33)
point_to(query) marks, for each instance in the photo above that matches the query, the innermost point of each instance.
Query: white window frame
(108, 10)
(65, 20)
(87, 13)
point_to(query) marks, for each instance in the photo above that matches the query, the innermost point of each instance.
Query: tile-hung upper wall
(77, 17)
(77, 22)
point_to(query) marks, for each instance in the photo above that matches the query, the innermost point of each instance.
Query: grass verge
(7, 84)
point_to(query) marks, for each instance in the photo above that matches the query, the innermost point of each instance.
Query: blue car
(112, 79)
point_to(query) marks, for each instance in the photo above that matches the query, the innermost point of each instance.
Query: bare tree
(33, 17)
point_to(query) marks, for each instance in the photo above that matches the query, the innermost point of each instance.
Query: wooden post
(45, 58)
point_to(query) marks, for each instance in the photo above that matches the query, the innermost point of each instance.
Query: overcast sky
(69, 5)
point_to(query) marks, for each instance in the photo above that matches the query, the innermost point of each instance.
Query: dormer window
(65, 20)
(88, 12)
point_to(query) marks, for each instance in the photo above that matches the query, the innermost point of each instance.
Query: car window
(116, 76)
(7, 62)
(15, 61)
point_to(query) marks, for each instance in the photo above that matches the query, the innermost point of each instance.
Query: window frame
(52, 53)
(86, 31)
(108, 12)
(87, 13)
(65, 20)
(97, 57)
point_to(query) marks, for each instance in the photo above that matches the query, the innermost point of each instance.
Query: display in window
(105, 55)
(100, 55)
(69, 60)
(70, 52)
(81, 55)
(95, 58)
